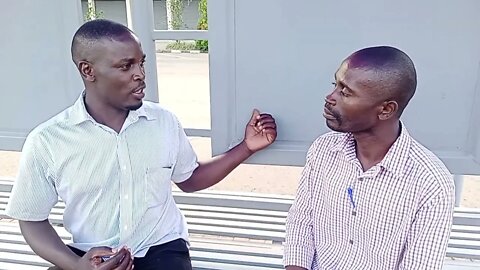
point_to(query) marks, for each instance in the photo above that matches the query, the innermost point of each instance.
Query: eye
(142, 64)
(126, 67)
(343, 93)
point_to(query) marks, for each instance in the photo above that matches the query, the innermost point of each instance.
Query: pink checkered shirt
(400, 216)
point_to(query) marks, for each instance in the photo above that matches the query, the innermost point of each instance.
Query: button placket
(125, 187)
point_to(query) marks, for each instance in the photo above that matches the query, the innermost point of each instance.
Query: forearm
(427, 240)
(46, 243)
(299, 250)
(211, 172)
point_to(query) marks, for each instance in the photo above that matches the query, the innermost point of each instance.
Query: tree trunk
(168, 4)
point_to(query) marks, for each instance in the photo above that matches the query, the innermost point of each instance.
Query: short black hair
(398, 77)
(92, 32)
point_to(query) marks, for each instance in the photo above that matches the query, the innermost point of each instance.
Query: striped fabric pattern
(116, 186)
(398, 214)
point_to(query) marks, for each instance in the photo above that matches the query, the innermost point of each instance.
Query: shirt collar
(79, 114)
(398, 154)
(343, 143)
(395, 159)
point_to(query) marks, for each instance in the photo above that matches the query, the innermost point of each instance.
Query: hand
(261, 131)
(120, 260)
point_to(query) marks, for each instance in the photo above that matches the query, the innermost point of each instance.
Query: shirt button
(124, 168)
(351, 242)
(125, 227)
(126, 197)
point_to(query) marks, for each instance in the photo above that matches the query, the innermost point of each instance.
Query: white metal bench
(232, 231)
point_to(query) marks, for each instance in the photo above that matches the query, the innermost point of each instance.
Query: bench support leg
(458, 179)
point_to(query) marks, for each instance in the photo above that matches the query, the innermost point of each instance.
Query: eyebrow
(129, 60)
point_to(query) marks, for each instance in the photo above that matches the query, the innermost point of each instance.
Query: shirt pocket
(158, 185)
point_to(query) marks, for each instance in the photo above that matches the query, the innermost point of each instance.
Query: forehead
(359, 79)
(116, 50)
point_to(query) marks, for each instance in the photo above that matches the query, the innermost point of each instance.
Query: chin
(334, 126)
(135, 107)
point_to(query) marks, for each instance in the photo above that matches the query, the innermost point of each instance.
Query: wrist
(243, 145)
(74, 262)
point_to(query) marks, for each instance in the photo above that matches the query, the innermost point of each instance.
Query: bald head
(394, 71)
(91, 33)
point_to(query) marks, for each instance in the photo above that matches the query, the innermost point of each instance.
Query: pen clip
(350, 195)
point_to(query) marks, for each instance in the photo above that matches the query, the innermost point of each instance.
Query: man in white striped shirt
(111, 158)
(370, 196)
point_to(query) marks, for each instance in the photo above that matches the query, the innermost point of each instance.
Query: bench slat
(34, 260)
(17, 266)
(465, 236)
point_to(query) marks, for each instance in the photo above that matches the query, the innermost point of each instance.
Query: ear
(388, 109)
(86, 70)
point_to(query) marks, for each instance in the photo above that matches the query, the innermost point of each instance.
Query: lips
(139, 89)
(139, 92)
(328, 115)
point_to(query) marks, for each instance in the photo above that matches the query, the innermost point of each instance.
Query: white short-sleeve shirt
(116, 186)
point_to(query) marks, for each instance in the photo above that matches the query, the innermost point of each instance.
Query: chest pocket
(157, 186)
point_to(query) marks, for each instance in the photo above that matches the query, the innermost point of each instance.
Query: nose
(139, 73)
(330, 99)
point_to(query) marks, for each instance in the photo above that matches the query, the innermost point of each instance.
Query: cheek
(354, 111)
(349, 109)
(120, 87)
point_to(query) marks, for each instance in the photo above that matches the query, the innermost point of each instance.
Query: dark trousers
(173, 255)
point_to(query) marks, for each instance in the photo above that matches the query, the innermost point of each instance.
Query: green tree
(202, 45)
(91, 13)
(174, 14)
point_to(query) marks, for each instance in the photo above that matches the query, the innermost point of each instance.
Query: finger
(270, 134)
(101, 251)
(130, 265)
(268, 126)
(96, 260)
(270, 131)
(270, 119)
(263, 122)
(254, 118)
(265, 115)
(266, 120)
(114, 260)
(124, 263)
(129, 252)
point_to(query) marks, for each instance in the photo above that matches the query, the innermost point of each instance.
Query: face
(354, 105)
(118, 73)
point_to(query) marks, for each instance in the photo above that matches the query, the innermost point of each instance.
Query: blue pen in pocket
(350, 195)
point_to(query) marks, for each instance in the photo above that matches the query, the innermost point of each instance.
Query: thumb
(101, 251)
(255, 115)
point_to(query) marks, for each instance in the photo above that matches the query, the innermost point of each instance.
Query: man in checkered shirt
(370, 196)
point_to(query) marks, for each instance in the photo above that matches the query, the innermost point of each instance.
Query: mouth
(328, 115)
(139, 92)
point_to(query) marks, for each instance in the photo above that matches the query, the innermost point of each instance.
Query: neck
(372, 146)
(105, 115)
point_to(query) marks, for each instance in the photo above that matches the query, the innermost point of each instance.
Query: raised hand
(260, 132)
